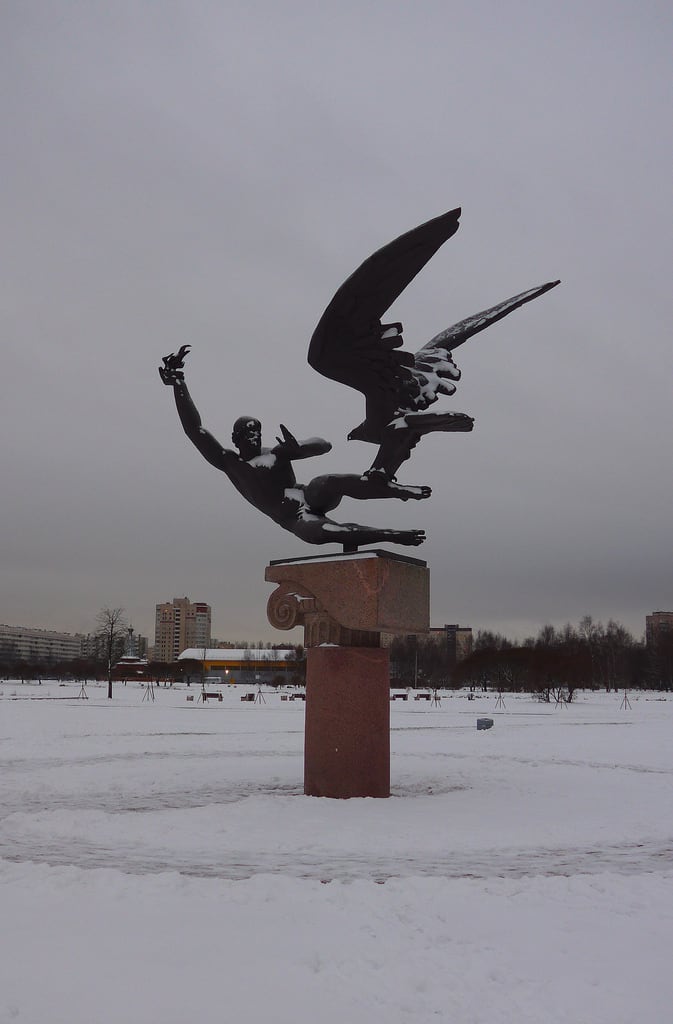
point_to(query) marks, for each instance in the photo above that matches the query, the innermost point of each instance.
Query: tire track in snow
(619, 858)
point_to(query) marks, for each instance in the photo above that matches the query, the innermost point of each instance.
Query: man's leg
(320, 530)
(324, 493)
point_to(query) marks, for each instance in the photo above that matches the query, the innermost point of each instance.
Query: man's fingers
(287, 435)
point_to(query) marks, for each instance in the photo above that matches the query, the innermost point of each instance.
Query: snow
(159, 863)
(267, 460)
(337, 555)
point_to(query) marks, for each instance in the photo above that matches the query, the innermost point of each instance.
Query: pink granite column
(347, 731)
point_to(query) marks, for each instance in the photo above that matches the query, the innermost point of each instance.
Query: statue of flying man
(265, 476)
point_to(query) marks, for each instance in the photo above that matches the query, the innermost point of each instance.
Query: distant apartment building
(32, 644)
(658, 626)
(458, 642)
(180, 624)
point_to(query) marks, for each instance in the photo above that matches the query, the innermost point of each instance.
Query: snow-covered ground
(160, 865)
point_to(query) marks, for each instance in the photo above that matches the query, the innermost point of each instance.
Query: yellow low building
(240, 664)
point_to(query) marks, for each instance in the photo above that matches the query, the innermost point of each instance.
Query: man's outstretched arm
(173, 375)
(291, 448)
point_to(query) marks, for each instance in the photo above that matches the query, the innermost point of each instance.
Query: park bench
(400, 696)
(422, 696)
(248, 696)
(210, 695)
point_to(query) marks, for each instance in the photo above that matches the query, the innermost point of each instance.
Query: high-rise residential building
(458, 642)
(180, 624)
(658, 625)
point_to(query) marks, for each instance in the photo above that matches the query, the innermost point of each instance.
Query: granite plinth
(365, 593)
(347, 730)
(344, 602)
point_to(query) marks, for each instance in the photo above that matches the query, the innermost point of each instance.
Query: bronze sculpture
(351, 345)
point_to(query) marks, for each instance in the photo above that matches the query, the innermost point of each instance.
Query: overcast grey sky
(210, 173)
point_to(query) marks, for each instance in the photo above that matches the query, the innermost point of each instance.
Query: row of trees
(553, 664)
(86, 669)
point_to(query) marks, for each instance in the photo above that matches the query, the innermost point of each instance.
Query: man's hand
(289, 443)
(172, 372)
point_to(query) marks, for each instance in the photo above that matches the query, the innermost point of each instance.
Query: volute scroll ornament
(287, 607)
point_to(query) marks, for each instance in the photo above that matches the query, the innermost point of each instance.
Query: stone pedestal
(344, 603)
(347, 730)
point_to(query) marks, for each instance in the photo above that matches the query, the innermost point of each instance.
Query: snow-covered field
(160, 865)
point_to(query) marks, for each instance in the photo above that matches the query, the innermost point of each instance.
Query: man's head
(247, 436)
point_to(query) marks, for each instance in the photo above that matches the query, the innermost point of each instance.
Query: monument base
(347, 730)
(345, 602)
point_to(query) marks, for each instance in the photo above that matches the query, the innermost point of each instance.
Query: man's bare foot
(410, 538)
(417, 493)
(379, 486)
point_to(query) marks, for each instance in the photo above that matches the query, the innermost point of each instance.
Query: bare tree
(111, 638)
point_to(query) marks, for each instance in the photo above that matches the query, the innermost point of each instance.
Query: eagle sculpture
(352, 346)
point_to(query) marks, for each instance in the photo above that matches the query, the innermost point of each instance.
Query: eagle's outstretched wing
(433, 363)
(352, 346)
